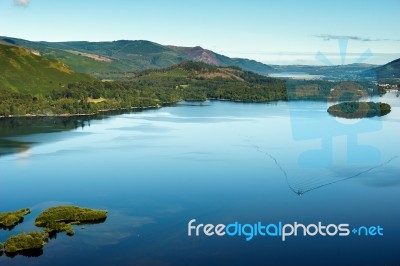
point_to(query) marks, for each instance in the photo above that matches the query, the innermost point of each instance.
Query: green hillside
(109, 60)
(125, 55)
(23, 71)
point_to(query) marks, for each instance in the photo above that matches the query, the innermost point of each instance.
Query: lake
(296, 75)
(216, 162)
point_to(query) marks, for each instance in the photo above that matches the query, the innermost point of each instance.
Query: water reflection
(120, 226)
(31, 253)
(10, 146)
(13, 130)
(9, 228)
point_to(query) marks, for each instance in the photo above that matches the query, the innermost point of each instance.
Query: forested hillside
(152, 88)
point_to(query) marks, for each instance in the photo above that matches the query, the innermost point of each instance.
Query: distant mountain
(334, 72)
(315, 70)
(199, 54)
(389, 71)
(118, 58)
(23, 70)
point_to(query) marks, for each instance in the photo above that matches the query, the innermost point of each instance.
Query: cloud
(23, 3)
(328, 37)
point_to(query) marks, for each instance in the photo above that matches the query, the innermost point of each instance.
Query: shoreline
(83, 115)
(128, 109)
(164, 105)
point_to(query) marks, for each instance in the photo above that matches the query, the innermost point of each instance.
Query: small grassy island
(61, 219)
(54, 220)
(23, 242)
(359, 109)
(10, 219)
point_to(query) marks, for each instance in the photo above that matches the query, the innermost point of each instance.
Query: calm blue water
(218, 163)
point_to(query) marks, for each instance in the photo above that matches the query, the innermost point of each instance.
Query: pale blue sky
(277, 32)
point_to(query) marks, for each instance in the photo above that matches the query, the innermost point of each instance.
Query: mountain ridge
(390, 70)
(121, 57)
(199, 54)
(112, 60)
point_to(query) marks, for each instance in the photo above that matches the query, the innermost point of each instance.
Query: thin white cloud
(328, 37)
(23, 3)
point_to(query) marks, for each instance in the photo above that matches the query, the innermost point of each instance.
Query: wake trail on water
(258, 149)
(303, 186)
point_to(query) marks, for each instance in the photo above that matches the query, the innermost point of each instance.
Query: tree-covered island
(10, 219)
(359, 109)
